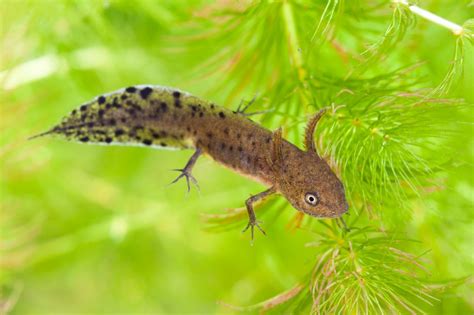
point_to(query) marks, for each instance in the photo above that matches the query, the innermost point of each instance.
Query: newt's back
(168, 118)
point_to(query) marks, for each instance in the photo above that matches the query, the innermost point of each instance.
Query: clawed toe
(252, 224)
(189, 178)
(242, 108)
(186, 171)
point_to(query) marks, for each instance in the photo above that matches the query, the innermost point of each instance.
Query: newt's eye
(311, 198)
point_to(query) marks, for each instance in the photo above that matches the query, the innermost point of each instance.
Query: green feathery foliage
(400, 23)
(456, 68)
(397, 132)
(361, 271)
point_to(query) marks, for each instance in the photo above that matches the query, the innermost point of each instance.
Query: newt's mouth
(324, 216)
(329, 213)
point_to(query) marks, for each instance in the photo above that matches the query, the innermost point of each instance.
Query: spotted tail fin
(131, 116)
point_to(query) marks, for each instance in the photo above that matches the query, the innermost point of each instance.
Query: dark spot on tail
(221, 115)
(119, 132)
(101, 99)
(164, 107)
(131, 89)
(138, 127)
(83, 107)
(124, 96)
(177, 101)
(144, 93)
(147, 142)
(108, 140)
(84, 139)
(163, 144)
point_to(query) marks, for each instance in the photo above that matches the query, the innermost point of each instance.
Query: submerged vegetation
(99, 227)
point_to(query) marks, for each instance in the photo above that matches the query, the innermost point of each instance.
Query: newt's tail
(41, 134)
(131, 116)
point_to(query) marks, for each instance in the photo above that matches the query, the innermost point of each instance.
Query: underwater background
(96, 229)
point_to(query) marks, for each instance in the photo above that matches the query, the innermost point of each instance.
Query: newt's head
(308, 182)
(312, 187)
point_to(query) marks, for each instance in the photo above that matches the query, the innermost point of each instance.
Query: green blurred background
(92, 229)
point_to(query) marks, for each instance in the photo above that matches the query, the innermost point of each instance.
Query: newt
(162, 117)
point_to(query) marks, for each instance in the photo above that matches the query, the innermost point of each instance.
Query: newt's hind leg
(186, 171)
(242, 108)
(249, 204)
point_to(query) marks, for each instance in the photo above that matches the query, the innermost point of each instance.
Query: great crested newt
(162, 117)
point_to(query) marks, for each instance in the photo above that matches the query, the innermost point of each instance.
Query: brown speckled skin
(164, 117)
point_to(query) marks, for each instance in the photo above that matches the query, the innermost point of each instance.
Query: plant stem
(296, 57)
(455, 28)
(293, 40)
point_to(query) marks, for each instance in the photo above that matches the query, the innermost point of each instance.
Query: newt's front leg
(249, 204)
(186, 171)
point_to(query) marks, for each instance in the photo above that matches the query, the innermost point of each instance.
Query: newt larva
(162, 117)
